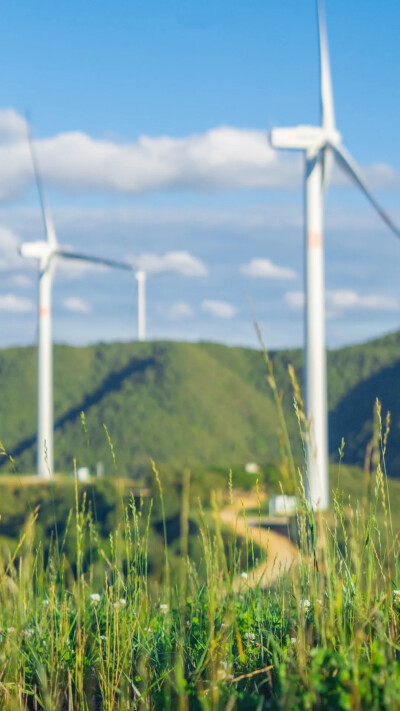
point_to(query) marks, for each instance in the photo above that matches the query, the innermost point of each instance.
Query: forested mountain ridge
(189, 405)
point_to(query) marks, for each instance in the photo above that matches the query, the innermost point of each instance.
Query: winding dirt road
(281, 552)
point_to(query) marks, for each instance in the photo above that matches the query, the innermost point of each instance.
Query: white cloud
(176, 311)
(265, 269)
(346, 299)
(219, 309)
(339, 300)
(13, 127)
(221, 158)
(15, 304)
(177, 262)
(77, 305)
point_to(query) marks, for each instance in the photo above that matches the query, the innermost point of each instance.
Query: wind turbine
(140, 276)
(45, 252)
(319, 144)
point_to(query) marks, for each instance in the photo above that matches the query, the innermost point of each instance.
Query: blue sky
(150, 120)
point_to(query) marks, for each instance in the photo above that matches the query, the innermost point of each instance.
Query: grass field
(91, 630)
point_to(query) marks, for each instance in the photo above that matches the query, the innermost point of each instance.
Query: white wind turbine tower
(318, 144)
(45, 251)
(141, 302)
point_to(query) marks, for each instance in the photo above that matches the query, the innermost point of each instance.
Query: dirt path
(282, 553)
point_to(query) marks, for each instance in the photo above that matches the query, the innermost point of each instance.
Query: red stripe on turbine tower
(314, 239)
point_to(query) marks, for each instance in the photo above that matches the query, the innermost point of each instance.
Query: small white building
(282, 505)
(100, 470)
(83, 473)
(252, 468)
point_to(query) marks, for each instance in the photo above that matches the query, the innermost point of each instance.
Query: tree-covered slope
(357, 375)
(187, 404)
(173, 402)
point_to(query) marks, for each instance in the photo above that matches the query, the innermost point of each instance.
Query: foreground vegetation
(92, 630)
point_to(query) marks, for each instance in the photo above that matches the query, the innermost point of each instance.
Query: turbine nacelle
(304, 138)
(42, 250)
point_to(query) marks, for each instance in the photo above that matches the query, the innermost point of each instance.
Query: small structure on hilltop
(252, 468)
(282, 505)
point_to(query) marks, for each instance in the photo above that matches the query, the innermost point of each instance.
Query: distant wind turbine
(319, 144)
(141, 301)
(45, 251)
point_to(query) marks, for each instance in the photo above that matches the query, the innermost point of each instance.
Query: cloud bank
(222, 158)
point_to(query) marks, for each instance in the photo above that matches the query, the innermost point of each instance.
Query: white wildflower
(223, 671)
(244, 575)
(250, 636)
(293, 640)
(45, 603)
(10, 630)
(396, 595)
(164, 608)
(95, 598)
(120, 603)
(103, 638)
(305, 603)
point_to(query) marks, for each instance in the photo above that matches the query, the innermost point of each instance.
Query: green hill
(182, 404)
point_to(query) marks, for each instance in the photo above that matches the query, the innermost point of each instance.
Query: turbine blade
(95, 260)
(351, 167)
(47, 220)
(327, 161)
(327, 107)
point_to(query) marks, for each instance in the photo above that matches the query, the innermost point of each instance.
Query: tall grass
(324, 635)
